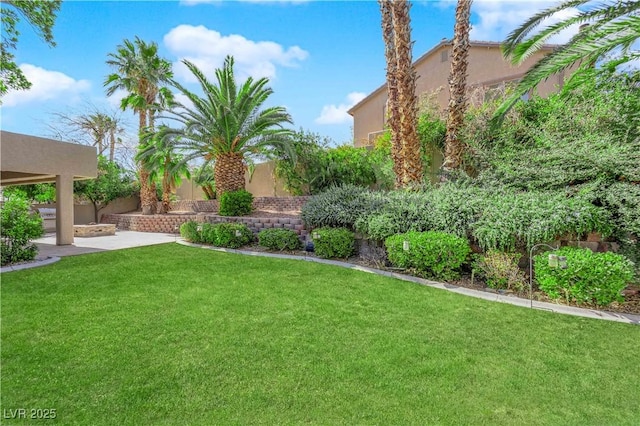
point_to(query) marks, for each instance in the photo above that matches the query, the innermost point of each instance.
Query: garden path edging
(29, 265)
(492, 297)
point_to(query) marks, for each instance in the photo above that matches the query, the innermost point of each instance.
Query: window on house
(444, 56)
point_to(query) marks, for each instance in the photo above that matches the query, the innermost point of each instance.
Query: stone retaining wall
(278, 204)
(257, 224)
(171, 223)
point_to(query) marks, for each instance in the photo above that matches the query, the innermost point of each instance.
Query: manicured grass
(171, 334)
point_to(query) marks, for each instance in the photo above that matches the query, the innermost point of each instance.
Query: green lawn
(171, 334)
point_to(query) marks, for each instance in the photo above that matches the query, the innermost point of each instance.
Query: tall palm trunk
(229, 172)
(407, 101)
(148, 196)
(393, 113)
(166, 188)
(112, 143)
(454, 147)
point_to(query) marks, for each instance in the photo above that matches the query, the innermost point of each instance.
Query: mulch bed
(631, 304)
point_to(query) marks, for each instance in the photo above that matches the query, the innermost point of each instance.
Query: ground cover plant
(170, 334)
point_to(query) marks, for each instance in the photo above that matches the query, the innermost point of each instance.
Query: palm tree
(457, 88)
(227, 124)
(393, 113)
(613, 26)
(141, 73)
(161, 159)
(407, 102)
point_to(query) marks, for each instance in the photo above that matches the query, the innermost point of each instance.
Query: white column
(64, 210)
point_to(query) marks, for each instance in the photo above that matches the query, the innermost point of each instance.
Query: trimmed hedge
(333, 242)
(279, 239)
(433, 254)
(229, 235)
(236, 203)
(589, 277)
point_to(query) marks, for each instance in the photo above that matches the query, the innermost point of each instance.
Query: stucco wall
(486, 67)
(262, 183)
(83, 214)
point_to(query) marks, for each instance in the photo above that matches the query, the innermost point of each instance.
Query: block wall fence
(203, 212)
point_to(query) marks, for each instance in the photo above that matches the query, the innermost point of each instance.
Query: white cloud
(337, 114)
(495, 19)
(115, 100)
(45, 85)
(207, 49)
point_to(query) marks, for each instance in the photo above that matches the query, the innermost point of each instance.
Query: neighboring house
(487, 68)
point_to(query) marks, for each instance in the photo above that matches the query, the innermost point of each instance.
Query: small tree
(111, 183)
(18, 227)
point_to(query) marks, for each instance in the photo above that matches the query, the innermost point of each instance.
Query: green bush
(190, 231)
(18, 226)
(339, 206)
(500, 270)
(333, 242)
(208, 234)
(236, 203)
(231, 235)
(434, 254)
(589, 277)
(512, 220)
(279, 239)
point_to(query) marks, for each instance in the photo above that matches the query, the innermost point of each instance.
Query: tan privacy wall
(262, 183)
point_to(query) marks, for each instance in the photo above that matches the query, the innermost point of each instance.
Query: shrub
(190, 231)
(231, 235)
(236, 203)
(589, 277)
(17, 228)
(339, 206)
(435, 254)
(500, 270)
(208, 234)
(511, 220)
(279, 239)
(333, 242)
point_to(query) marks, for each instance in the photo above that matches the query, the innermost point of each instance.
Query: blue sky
(321, 56)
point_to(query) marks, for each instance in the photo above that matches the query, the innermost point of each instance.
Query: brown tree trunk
(229, 173)
(393, 113)
(112, 144)
(166, 190)
(454, 147)
(407, 101)
(148, 196)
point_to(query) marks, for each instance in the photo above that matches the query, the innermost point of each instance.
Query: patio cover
(28, 159)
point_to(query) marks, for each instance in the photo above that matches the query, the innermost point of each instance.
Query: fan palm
(454, 147)
(393, 113)
(613, 26)
(227, 124)
(161, 159)
(407, 101)
(141, 73)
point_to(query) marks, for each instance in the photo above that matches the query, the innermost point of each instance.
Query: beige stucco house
(487, 68)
